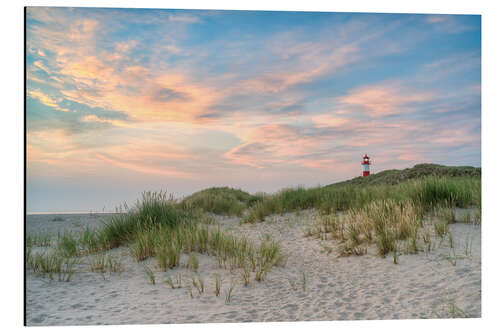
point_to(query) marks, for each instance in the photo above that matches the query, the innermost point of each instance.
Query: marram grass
(426, 193)
(383, 223)
(159, 226)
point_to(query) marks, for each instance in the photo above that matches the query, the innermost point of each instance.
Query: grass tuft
(304, 281)
(218, 284)
(51, 264)
(229, 294)
(150, 274)
(38, 239)
(67, 245)
(441, 228)
(199, 284)
(193, 262)
(395, 256)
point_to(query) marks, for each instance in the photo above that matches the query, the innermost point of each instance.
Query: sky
(119, 101)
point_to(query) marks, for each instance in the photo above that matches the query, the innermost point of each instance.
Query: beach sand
(442, 283)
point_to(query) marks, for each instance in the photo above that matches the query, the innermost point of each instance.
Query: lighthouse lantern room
(366, 165)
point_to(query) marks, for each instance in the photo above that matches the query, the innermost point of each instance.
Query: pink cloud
(147, 156)
(324, 164)
(271, 144)
(101, 85)
(95, 78)
(40, 65)
(125, 47)
(448, 23)
(313, 61)
(436, 18)
(140, 166)
(328, 120)
(47, 100)
(385, 99)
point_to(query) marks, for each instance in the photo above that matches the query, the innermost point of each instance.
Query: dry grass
(441, 228)
(199, 284)
(105, 263)
(193, 262)
(383, 222)
(389, 225)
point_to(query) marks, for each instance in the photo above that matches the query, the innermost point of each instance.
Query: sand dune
(443, 283)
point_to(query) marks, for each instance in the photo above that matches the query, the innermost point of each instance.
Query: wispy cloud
(142, 166)
(250, 99)
(457, 64)
(450, 24)
(185, 18)
(385, 99)
(47, 100)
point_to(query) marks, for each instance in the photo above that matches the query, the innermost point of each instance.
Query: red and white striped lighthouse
(366, 165)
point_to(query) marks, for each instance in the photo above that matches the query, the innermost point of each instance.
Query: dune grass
(174, 284)
(229, 294)
(155, 210)
(98, 264)
(221, 201)
(395, 255)
(304, 281)
(38, 239)
(381, 214)
(51, 264)
(427, 193)
(441, 228)
(167, 245)
(102, 263)
(158, 226)
(150, 274)
(199, 284)
(67, 245)
(114, 265)
(384, 223)
(218, 284)
(193, 262)
(245, 275)
(389, 215)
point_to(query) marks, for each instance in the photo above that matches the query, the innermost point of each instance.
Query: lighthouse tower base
(366, 165)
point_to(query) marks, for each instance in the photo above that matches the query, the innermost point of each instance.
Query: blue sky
(125, 100)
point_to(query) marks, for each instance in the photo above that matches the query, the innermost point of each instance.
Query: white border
(12, 158)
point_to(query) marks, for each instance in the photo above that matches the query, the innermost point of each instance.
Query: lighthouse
(366, 165)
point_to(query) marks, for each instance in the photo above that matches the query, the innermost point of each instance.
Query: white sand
(345, 288)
